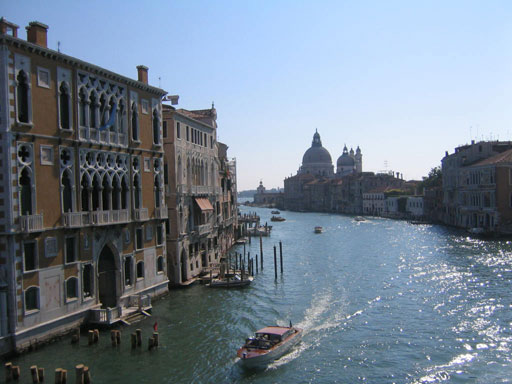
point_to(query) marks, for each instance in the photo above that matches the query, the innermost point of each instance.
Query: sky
(403, 80)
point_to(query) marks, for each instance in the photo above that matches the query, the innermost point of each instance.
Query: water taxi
(359, 218)
(268, 344)
(277, 218)
(319, 229)
(275, 212)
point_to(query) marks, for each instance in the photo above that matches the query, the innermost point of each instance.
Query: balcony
(140, 214)
(203, 230)
(75, 219)
(161, 212)
(110, 217)
(31, 223)
(200, 189)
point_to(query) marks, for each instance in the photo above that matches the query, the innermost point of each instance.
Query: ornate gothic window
(22, 97)
(93, 107)
(67, 192)
(82, 107)
(64, 106)
(135, 123)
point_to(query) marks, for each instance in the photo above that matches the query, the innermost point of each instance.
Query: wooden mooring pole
(35, 374)
(261, 251)
(275, 262)
(281, 255)
(256, 263)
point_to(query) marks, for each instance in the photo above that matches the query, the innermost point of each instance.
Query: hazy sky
(404, 80)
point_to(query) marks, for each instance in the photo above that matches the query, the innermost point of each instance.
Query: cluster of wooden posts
(13, 373)
(242, 261)
(136, 339)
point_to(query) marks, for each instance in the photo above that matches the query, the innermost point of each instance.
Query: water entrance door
(107, 278)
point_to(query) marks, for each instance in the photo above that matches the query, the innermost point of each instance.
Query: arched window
(136, 192)
(120, 116)
(111, 104)
(71, 288)
(64, 106)
(160, 264)
(96, 191)
(22, 97)
(156, 127)
(32, 299)
(93, 106)
(85, 193)
(180, 171)
(140, 270)
(135, 123)
(116, 193)
(67, 192)
(82, 107)
(124, 194)
(157, 191)
(128, 271)
(26, 192)
(103, 107)
(106, 193)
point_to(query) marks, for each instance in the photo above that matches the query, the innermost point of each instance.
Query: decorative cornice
(80, 64)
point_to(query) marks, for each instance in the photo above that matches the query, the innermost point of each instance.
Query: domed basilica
(317, 161)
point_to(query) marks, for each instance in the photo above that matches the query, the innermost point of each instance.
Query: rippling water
(380, 301)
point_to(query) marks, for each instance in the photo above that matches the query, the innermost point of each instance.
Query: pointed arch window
(26, 192)
(136, 192)
(156, 127)
(96, 193)
(120, 117)
(111, 104)
(135, 122)
(106, 190)
(82, 107)
(64, 107)
(85, 194)
(157, 192)
(103, 107)
(116, 194)
(67, 192)
(124, 194)
(22, 97)
(93, 106)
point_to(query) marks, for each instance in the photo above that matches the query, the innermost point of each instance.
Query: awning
(204, 204)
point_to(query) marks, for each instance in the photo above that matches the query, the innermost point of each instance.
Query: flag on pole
(111, 119)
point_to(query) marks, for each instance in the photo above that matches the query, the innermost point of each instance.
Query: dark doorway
(183, 266)
(107, 278)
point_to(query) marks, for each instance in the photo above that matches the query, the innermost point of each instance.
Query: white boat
(268, 344)
(232, 282)
(319, 229)
(359, 218)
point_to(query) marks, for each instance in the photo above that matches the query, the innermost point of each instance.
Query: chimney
(36, 33)
(142, 71)
(8, 28)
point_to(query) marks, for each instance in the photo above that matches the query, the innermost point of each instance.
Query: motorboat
(277, 218)
(319, 229)
(359, 218)
(275, 212)
(268, 344)
(231, 282)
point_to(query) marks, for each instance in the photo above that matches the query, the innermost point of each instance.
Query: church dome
(316, 154)
(345, 160)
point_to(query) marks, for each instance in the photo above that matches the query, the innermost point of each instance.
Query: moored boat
(319, 229)
(232, 282)
(268, 344)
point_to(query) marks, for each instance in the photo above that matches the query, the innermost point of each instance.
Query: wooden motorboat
(277, 218)
(319, 229)
(231, 282)
(268, 344)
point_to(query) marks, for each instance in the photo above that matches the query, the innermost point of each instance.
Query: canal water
(380, 301)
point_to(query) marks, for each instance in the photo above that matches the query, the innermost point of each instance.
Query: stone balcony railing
(76, 219)
(161, 212)
(140, 214)
(31, 223)
(110, 217)
(203, 229)
(106, 316)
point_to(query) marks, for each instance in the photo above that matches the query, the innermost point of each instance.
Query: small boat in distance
(277, 218)
(359, 218)
(319, 229)
(268, 344)
(232, 282)
(275, 212)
